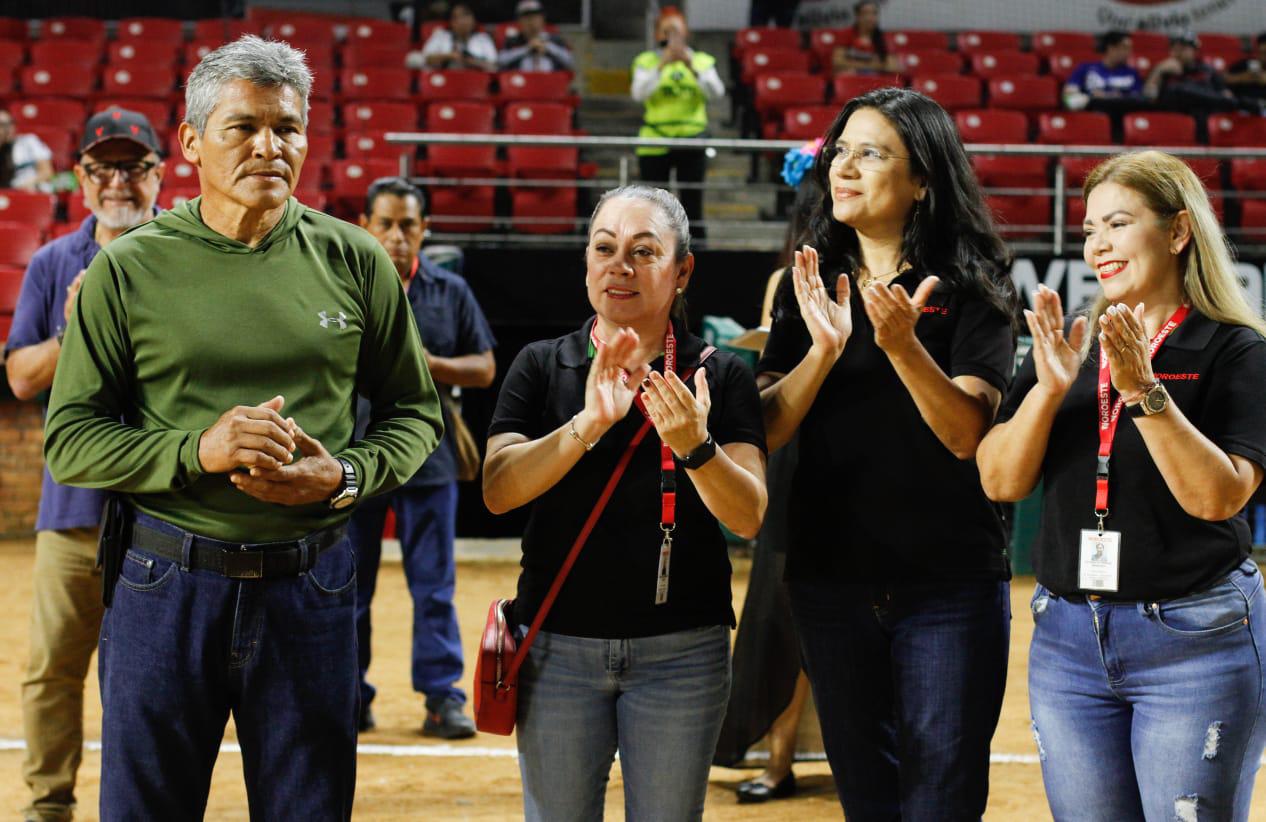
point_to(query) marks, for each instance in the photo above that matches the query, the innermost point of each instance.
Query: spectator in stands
(675, 83)
(1247, 77)
(459, 46)
(773, 13)
(1109, 84)
(25, 162)
(862, 49)
(458, 347)
(119, 171)
(634, 655)
(890, 375)
(1145, 669)
(1185, 83)
(532, 48)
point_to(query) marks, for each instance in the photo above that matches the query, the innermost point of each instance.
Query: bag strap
(512, 673)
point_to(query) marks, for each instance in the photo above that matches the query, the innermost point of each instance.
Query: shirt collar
(574, 350)
(1194, 334)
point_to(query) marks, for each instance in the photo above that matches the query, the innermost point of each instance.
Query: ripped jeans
(1150, 711)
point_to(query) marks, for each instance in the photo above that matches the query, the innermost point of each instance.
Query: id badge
(1100, 565)
(661, 578)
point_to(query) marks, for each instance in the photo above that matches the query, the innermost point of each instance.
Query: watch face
(342, 501)
(1156, 400)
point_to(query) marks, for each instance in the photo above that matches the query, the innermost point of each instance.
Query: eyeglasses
(869, 157)
(103, 173)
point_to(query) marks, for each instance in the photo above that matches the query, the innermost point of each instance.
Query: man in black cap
(1184, 83)
(119, 171)
(532, 48)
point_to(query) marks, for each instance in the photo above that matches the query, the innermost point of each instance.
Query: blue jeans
(426, 522)
(908, 683)
(181, 648)
(658, 700)
(1146, 710)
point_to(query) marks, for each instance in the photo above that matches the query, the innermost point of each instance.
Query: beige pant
(66, 613)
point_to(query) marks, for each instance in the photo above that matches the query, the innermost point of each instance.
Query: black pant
(691, 165)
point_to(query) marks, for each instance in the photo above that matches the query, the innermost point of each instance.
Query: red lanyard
(667, 467)
(1110, 413)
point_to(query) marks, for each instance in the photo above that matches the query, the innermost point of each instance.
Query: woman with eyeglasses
(889, 353)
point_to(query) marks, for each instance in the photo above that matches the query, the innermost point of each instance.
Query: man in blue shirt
(1108, 84)
(458, 346)
(120, 171)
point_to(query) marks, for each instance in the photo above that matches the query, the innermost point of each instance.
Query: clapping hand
(680, 417)
(830, 321)
(1124, 341)
(893, 313)
(1055, 357)
(613, 379)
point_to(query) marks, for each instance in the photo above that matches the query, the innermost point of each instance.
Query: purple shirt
(40, 315)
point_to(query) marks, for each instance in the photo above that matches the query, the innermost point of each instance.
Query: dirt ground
(468, 780)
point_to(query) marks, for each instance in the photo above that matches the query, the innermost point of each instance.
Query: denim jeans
(426, 520)
(182, 648)
(908, 682)
(658, 700)
(1150, 710)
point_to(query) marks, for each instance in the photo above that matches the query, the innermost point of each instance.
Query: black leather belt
(261, 560)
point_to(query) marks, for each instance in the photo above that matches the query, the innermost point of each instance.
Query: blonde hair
(1168, 185)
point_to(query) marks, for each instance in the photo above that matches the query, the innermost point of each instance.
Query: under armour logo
(326, 319)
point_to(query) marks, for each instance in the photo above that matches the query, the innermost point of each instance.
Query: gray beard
(120, 218)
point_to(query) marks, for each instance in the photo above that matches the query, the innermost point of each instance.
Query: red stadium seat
(1228, 44)
(823, 42)
(807, 122)
(362, 55)
(58, 81)
(13, 28)
(68, 114)
(1143, 60)
(535, 85)
(1249, 174)
(917, 39)
(543, 210)
(461, 160)
(11, 276)
(366, 30)
(169, 196)
(1022, 216)
(320, 150)
(376, 84)
(1047, 43)
(65, 52)
(1086, 128)
(991, 63)
(845, 87)
(1159, 128)
(350, 179)
(193, 52)
(320, 118)
(18, 243)
(74, 28)
(6, 322)
(31, 208)
(764, 37)
(776, 91)
(180, 173)
(993, 126)
(548, 162)
(222, 29)
(1150, 41)
(300, 29)
(1062, 64)
(151, 30)
(1024, 92)
(931, 61)
(383, 116)
(135, 82)
(1253, 221)
(456, 117)
(143, 52)
(538, 118)
(977, 42)
(952, 91)
(8, 84)
(1221, 60)
(454, 85)
(12, 54)
(62, 142)
(371, 145)
(765, 59)
(158, 112)
(462, 208)
(1237, 130)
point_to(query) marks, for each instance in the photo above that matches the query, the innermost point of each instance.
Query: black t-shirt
(610, 592)
(1216, 374)
(876, 496)
(1248, 89)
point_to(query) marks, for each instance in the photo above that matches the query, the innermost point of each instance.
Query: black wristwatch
(1153, 401)
(700, 455)
(348, 491)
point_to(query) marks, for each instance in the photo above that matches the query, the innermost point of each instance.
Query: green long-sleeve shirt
(175, 324)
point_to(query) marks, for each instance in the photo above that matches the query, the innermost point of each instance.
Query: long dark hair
(877, 36)
(949, 234)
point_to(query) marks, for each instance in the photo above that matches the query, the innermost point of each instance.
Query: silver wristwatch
(1153, 401)
(348, 491)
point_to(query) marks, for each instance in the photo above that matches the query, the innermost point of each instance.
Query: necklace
(865, 278)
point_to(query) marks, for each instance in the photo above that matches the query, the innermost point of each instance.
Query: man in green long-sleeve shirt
(210, 377)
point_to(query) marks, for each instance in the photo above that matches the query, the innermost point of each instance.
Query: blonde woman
(1144, 421)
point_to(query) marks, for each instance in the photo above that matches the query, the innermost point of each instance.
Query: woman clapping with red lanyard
(1145, 424)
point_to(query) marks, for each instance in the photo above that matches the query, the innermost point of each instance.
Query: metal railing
(1024, 238)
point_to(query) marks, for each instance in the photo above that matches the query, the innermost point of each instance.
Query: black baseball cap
(119, 124)
(526, 7)
(1187, 38)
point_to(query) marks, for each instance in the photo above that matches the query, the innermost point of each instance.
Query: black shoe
(753, 791)
(366, 722)
(448, 722)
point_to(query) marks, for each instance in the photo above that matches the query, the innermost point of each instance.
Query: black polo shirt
(610, 592)
(876, 496)
(1216, 374)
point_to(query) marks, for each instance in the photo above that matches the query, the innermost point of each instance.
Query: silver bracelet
(571, 429)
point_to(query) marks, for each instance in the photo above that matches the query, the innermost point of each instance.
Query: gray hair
(250, 58)
(669, 208)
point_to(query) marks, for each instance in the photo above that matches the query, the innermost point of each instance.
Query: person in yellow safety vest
(675, 83)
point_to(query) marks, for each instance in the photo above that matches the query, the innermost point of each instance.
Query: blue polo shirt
(40, 315)
(452, 325)
(1119, 81)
